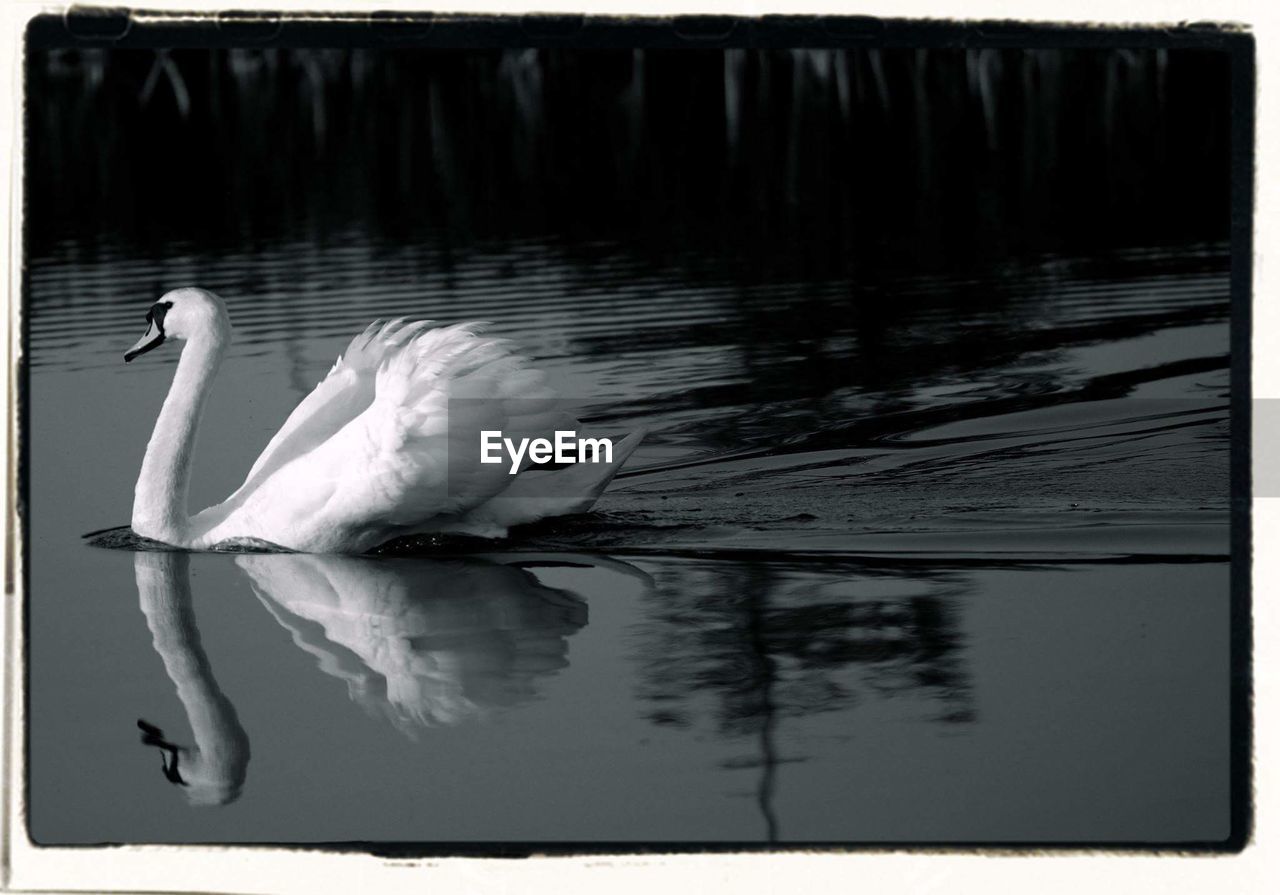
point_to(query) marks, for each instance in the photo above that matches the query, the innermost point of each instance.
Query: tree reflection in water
(767, 641)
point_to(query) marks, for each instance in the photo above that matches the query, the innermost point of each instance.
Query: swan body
(366, 456)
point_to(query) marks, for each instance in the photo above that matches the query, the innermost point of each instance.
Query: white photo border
(157, 868)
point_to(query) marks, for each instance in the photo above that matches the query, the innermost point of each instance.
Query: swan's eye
(155, 314)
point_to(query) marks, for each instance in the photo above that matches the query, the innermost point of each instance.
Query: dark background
(757, 162)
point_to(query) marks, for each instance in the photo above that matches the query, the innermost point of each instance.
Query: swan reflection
(212, 771)
(426, 642)
(421, 642)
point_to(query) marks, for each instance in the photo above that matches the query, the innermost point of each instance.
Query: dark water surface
(914, 552)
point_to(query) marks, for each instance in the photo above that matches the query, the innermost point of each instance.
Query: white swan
(365, 457)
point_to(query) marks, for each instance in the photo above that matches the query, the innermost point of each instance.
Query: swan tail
(597, 478)
(537, 494)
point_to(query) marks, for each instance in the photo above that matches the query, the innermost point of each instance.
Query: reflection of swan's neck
(160, 497)
(217, 766)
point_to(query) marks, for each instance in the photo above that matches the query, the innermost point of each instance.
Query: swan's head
(186, 313)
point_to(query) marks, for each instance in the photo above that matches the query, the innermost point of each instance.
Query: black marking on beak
(155, 323)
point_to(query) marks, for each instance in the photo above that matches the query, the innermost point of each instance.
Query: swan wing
(388, 468)
(421, 434)
(345, 392)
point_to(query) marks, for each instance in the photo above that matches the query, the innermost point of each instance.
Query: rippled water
(929, 558)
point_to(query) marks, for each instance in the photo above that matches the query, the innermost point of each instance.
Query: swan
(365, 457)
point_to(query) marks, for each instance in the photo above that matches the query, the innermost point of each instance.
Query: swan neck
(160, 496)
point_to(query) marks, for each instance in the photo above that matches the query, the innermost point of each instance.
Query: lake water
(929, 540)
(939, 558)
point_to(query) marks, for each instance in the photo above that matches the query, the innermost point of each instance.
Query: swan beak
(150, 339)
